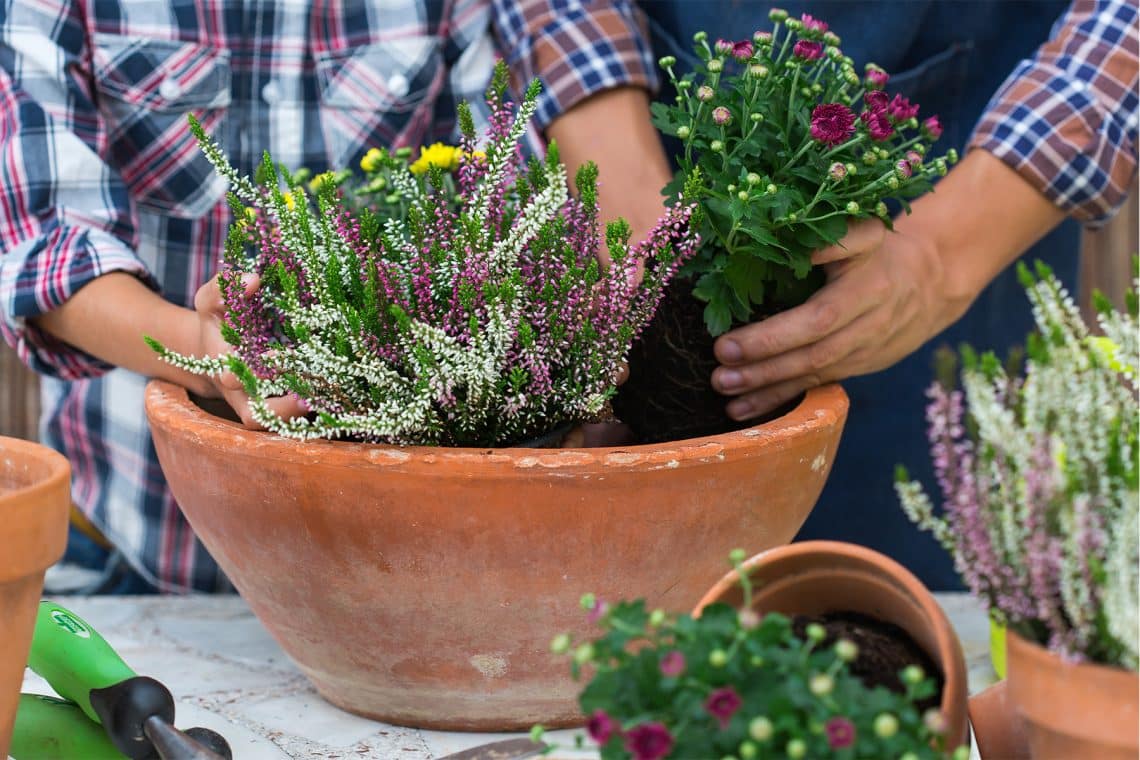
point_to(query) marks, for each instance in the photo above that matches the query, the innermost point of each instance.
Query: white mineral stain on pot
(818, 463)
(392, 455)
(490, 665)
(622, 457)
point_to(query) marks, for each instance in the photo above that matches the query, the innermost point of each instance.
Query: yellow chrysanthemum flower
(446, 157)
(371, 160)
(290, 201)
(318, 181)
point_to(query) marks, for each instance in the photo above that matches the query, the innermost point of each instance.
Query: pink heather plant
(1039, 480)
(469, 308)
(734, 684)
(763, 124)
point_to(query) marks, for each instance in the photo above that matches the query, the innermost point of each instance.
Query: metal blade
(508, 749)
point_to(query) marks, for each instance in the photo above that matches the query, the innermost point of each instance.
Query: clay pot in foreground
(35, 495)
(816, 577)
(1072, 710)
(422, 586)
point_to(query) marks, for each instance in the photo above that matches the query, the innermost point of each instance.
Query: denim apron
(949, 56)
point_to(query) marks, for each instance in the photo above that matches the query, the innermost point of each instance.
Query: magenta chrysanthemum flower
(914, 158)
(673, 664)
(724, 47)
(837, 171)
(813, 24)
(902, 109)
(742, 51)
(721, 115)
(878, 125)
(806, 50)
(705, 93)
(876, 100)
(840, 732)
(876, 79)
(904, 169)
(932, 127)
(722, 704)
(762, 36)
(601, 727)
(649, 741)
(832, 123)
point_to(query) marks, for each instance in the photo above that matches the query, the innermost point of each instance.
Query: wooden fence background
(1105, 265)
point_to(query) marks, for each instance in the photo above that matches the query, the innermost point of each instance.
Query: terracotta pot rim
(1042, 656)
(169, 405)
(58, 470)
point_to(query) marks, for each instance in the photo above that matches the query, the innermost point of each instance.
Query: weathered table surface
(229, 675)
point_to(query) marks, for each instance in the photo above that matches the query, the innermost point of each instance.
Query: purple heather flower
(813, 24)
(876, 79)
(705, 93)
(904, 169)
(832, 123)
(876, 100)
(742, 51)
(722, 704)
(932, 127)
(902, 109)
(806, 50)
(878, 125)
(673, 664)
(837, 171)
(724, 47)
(649, 741)
(601, 727)
(721, 115)
(840, 732)
(914, 158)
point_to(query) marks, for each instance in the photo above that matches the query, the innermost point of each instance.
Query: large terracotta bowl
(422, 586)
(35, 495)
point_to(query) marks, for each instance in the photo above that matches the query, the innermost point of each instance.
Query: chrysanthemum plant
(1038, 472)
(732, 684)
(450, 302)
(788, 144)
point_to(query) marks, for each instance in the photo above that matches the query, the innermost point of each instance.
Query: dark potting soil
(884, 650)
(669, 394)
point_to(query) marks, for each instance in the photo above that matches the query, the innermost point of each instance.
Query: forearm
(980, 218)
(108, 318)
(613, 129)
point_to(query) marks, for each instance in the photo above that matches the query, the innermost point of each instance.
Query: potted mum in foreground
(787, 145)
(1038, 473)
(454, 306)
(733, 682)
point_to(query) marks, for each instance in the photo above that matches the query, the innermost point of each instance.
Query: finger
(228, 381)
(287, 407)
(622, 374)
(208, 298)
(811, 363)
(862, 237)
(827, 311)
(250, 282)
(573, 440)
(239, 402)
(766, 399)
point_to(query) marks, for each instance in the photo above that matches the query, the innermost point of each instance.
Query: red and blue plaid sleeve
(575, 47)
(1066, 120)
(65, 216)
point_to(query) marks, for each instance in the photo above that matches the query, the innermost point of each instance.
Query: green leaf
(762, 235)
(746, 275)
(718, 318)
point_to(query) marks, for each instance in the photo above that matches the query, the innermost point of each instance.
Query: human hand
(211, 310)
(883, 299)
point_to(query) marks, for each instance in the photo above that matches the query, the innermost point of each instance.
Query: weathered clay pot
(422, 586)
(1072, 710)
(35, 495)
(815, 577)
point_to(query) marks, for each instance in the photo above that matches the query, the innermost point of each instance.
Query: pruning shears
(107, 711)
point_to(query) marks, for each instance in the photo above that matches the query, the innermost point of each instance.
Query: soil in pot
(669, 394)
(884, 650)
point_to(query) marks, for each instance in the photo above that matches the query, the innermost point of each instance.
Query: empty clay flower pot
(35, 495)
(1071, 710)
(816, 577)
(422, 586)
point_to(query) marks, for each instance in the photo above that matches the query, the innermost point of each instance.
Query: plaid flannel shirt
(1066, 120)
(100, 173)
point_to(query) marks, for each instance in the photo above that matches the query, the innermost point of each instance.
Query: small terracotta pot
(1072, 710)
(422, 586)
(815, 577)
(35, 494)
(998, 731)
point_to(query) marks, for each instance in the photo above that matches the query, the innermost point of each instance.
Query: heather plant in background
(457, 300)
(789, 143)
(1039, 472)
(732, 684)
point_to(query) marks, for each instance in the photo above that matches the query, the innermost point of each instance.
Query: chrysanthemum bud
(758, 70)
(883, 152)
(834, 54)
(731, 187)
(952, 156)
(560, 644)
(837, 171)
(903, 169)
(684, 84)
(748, 619)
(667, 61)
(721, 116)
(794, 24)
(961, 753)
(821, 684)
(893, 182)
(716, 146)
(850, 77)
(705, 93)
(683, 132)
(756, 117)
(816, 632)
(793, 217)
(912, 675)
(724, 47)
(762, 38)
(851, 168)
(748, 750)
(700, 36)
(771, 189)
(870, 158)
(777, 15)
(753, 179)
(914, 158)
(760, 729)
(657, 618)
(715, 66)
(796, 749)
(756, 661)
(908, 756)
(588, 601)
(940, 167)
(584, 653)
(852, 208)
(885, 725)
(934, 721)
(718, 658)
(882, 210)
(831, 38)
(846, 650)
(742, 195)
(816, 88)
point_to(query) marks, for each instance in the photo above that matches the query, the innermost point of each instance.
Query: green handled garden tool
(136, 712)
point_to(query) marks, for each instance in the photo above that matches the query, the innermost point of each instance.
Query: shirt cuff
(41, 275)
(579, 51)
